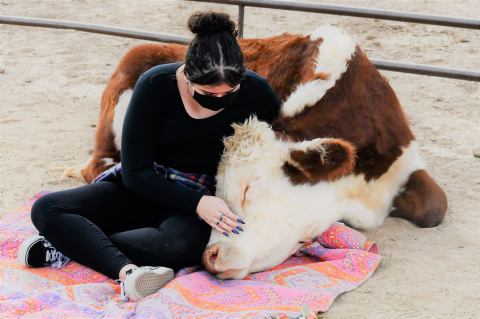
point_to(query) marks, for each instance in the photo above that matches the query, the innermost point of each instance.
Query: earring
(190, 88)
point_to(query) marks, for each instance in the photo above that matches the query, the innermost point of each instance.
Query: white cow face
(264, 180)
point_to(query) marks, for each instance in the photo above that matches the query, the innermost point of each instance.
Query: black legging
(104, 227)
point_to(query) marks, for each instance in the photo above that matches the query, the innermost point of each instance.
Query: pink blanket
(338, 261)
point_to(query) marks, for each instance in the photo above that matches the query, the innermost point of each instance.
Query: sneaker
(143, 281)
(36, 251)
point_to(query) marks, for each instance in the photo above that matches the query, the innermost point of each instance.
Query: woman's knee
(44, 209)
(192, 231)
(181, 241)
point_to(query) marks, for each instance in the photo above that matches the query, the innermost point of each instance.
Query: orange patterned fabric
(339, 260)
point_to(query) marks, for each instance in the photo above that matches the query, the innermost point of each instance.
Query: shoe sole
(24, 247)
(147, 283)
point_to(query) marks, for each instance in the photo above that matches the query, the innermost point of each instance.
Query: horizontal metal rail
(93, 28)
(352, 11)
(169, 38)
(423, 69)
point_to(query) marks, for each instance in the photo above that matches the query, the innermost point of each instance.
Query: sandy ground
(51, 82)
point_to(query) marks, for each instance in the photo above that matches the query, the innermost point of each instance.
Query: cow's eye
(244, 195)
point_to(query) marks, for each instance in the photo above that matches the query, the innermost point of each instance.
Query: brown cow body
(360, 108)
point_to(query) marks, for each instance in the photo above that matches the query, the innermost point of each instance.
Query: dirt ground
(51, 82)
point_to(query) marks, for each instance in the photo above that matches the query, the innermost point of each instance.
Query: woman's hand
(210, 208)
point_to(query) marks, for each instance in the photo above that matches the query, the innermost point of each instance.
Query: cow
(288, 192)
(329, 89)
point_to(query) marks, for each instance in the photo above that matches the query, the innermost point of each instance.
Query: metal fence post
(241, 17)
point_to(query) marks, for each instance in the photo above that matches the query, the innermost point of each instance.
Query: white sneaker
(143, 281)
(36, 251)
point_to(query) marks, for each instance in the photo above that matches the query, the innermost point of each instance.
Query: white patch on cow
(376, 196)
(108, 161)
(279, 214)
(334, 53)
(119, 115)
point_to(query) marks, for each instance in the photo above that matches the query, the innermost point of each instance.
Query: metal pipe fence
(381, 14)
(94, 28)
(461, 74)
(352, 11)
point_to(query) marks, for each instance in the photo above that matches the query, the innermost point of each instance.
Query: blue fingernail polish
(225, 233)
(240, 221)
(235, 231)
(239, 228)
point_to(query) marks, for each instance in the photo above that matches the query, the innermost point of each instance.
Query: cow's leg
(105, 153)
(423, 202)
(358, 216)
(96, 166)
(99, 162)
(92, 167)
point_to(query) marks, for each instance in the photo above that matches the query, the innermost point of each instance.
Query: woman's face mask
(215, 103)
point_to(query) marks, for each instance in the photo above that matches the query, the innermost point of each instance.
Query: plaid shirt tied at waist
(198, 182)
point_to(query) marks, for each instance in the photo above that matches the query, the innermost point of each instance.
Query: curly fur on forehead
(245, 144)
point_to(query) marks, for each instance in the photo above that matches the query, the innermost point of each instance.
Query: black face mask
(215, 103)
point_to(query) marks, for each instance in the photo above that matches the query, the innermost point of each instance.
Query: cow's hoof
(423, 201)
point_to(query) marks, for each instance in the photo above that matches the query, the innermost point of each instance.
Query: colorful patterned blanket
(307, 283)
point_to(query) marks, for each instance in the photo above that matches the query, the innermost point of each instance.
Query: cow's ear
(329, 160)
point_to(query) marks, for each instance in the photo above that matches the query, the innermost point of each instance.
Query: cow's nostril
(213, 257)
(210, 256)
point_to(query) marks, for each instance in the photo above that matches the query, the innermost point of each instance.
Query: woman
(157, 207)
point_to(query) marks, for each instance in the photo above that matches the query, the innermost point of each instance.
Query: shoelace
(53, 256)
(123, 295)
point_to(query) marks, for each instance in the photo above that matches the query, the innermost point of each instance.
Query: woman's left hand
(215, 212)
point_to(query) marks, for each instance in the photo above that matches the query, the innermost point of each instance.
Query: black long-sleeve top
(158, 128)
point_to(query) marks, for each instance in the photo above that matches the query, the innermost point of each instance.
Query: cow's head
(258, 175)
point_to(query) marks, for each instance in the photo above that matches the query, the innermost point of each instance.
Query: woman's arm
(137, 151)
(269, 105)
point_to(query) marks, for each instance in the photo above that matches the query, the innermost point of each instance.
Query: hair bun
(206, 22)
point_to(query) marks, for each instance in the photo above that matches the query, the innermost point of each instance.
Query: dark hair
(213, 55)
